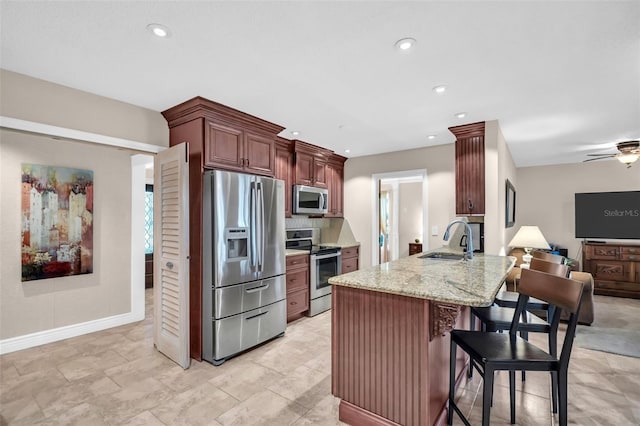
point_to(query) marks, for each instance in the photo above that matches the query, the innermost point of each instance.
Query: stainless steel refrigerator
(244, 285)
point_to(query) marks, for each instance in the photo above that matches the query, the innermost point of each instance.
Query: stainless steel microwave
(310, 200)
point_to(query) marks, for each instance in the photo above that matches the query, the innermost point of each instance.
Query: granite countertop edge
(472, 283)
(295, 252)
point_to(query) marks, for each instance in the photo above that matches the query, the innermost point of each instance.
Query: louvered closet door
(171, 251)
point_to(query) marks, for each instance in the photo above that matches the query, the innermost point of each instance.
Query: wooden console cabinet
(350, 259)
(615, 268)
(470, 170)
(297, 286)
(415, 248)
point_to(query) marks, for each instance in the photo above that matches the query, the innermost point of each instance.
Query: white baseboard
(55, 334)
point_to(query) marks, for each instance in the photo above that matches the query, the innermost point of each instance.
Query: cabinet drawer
(297, 302)
(617, 285)
(298, 261)
(349, 265)
(349, 252)
(298, 280)
(630, 250)
(603, 252)
(630, 256)
(614, 271)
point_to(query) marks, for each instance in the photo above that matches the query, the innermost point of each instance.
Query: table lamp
(529, 238)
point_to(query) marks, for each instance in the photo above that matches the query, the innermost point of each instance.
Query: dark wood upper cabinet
(223, 147)
(284, 171)
(470, 169)
(335, 183)
(229, 139)
(310, 164)
(259, 154)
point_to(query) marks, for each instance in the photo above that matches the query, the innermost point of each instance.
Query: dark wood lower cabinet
(350, 259)
(297, 286)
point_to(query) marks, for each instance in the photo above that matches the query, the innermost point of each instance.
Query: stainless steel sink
(442, 256)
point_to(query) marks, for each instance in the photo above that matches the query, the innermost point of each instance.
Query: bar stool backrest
(549, 257)
(558, 269)
(564, 293)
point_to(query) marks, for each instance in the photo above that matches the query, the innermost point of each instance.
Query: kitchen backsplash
(332, 230)
(296, 222)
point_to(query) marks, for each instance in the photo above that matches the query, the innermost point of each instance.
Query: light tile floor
(117, 377)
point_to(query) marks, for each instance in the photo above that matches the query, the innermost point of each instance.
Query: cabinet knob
(470, 205)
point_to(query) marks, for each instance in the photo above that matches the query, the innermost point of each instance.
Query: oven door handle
(325, 256)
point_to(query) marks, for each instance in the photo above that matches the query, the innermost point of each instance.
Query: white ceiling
(562, 78)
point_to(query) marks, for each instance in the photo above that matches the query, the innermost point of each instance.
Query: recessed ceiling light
(431, 137)
(405, 44)
(461, 115)
(440, 89)
(347, 151)
(295, 132)
(159, 30)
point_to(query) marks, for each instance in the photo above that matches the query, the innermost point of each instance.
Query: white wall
(499, 167)
(46, 310)
(27, 307)
(410, 215)
(545, 195)
(439, 161)
(358, 201)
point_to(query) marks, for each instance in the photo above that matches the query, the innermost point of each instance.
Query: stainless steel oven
(324, 265)
(325, 261)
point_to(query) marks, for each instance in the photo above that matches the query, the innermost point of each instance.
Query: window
(148, 220)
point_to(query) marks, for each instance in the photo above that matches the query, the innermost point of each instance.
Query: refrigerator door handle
(262, 225)
(253, 228)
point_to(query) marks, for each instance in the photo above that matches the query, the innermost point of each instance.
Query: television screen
(608, 215)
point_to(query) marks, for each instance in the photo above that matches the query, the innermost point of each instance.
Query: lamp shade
(529, 237)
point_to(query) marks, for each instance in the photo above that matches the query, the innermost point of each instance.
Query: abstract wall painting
(57, 222)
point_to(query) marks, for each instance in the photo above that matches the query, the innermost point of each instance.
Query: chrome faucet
(469, 253)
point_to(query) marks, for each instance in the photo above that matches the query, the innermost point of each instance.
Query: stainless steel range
(326, 262)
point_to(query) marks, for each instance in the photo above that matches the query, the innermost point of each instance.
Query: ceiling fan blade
(601, 155)
(599, 158)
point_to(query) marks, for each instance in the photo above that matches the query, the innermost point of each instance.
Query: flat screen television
(608, 215)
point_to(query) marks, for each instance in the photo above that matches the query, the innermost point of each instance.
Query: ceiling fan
(629, 153)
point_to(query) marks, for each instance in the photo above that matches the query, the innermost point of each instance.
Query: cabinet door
(319, 173)
(335, 184)
(470, 176)
(612, 271)
(259, 154)
(284, 171)
(304, 169)
(223, 147)
(349, 265)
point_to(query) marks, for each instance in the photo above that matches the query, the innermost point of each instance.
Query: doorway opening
(400, 214)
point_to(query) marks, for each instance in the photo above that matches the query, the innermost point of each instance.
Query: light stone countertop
(295, 252)
(472, 282)
(356, 244)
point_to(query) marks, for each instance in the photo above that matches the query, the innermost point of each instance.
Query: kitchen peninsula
(390, 341)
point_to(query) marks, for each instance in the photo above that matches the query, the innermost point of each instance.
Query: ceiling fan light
(628, 158)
